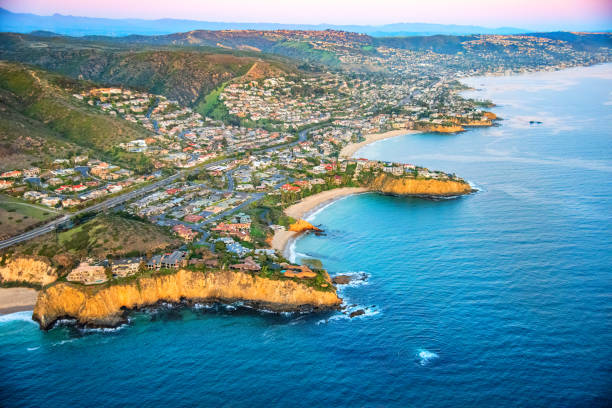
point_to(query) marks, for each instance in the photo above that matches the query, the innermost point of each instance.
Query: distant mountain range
(81, 26)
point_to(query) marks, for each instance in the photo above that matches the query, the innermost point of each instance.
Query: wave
(103, 329)
(310, 216)
(24, 316)
(66, 341)
(425, 357)
(475, 186)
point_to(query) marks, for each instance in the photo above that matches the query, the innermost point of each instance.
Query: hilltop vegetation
(102, 236)
(40, 120)
(185, 74)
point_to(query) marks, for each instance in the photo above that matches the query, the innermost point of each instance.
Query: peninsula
(107, 305)
(211, 170)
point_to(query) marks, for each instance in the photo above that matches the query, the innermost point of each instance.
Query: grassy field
(17, 216)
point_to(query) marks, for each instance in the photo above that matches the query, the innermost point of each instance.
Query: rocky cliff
(388, 184)
(105, 306)
(29, 270)
(302, 226)
(439, 128)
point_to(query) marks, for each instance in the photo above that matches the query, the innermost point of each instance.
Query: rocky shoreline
(108, 305)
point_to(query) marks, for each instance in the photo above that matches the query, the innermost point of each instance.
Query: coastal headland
(382, 184)
(107, 305)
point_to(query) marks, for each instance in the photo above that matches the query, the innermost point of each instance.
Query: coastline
(17, 300)
(350, 149)
(282, 239)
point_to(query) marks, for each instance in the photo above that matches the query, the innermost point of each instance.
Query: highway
(114, 201)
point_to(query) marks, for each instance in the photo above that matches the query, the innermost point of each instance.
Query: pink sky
(543, 14)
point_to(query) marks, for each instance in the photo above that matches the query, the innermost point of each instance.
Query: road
(114, 201)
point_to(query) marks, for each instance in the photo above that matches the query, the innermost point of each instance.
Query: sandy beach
(306, 206)
(17, 299)
(350, 149)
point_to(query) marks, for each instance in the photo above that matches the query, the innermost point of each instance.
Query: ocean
(502, 298)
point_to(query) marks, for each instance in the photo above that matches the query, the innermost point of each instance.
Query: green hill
(104, 235)
(40, 120)
(184, 73)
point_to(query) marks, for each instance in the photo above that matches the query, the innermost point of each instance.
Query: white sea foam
(369, 312)
(25, 316)
(475, 186)
(291, 251)
(313, 214)
(425, 357)
(359, 278)
(61, 343)
(345, 314)
(103, 329)
(203, 306)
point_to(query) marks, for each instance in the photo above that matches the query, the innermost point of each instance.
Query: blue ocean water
(502, 298)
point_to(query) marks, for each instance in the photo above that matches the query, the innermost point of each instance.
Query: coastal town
(227, 181)
(228, 174)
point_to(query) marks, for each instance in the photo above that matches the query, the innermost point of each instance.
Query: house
(184, 232)
(154, 262)
(248, 265)
(11, 174)
(174, 260)
(87, 274)
(302, 184)
(193, 218)
(125, 267)
(50, 201)
(290, 188)
(4, 184)
(70, 202)
(297, 271)
(34, 195)
(238, 230)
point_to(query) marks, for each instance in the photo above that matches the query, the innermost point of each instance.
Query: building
(193, 218)
(248, 265)
(174, 260)
(87, 274)
(184, 232)
(154, 263)
(125, 267)
(297, 271)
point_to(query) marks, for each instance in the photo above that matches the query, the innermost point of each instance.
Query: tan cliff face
(302, 225)
(28, 269)
(408, 186)
(440, 128)
(105, 305)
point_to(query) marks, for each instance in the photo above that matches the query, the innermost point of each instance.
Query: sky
(529, 14)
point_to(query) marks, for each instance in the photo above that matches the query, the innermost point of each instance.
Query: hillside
(184, 74)
(40, 120)
(106, 234)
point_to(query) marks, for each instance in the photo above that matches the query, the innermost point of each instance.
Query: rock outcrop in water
(421, 187)
(303, 226)
(105, 305)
